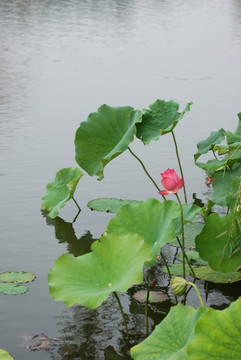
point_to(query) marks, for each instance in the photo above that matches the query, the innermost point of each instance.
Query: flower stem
(169, 272)
(183, 239)
(122, 313)
(147, 173)
(188, 261)
(146, 310)
(180, 165)
(197, 291)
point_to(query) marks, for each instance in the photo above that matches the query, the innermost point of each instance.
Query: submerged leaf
(103, 136)
(154, 296)
(170, 338)
(161, 118)
(60, 190)
(115, 263)
(12, 289)
(108, 204)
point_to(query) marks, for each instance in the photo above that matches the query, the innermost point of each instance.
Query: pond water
(59, 61)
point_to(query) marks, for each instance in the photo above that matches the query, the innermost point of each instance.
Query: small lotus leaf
(216, 137)
(4, 355)
(17, 277)
(193, 257)
(115, 263)
(151, 219)
(218, 277)
(104, 135)
(170, 338)
(217, 335)
(191, 230)
(177, 269)
(161, 118)
(108, 204)
(12, 289)
(60, 190)
(154, 296)
(219, 243)
(221, 184)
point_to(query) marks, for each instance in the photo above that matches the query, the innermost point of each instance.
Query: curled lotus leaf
(170, 338)
(4, 355)
(103, 136)
(161, 118)
(152, 219)
(60, 190)
(216, 137)
(115, 263)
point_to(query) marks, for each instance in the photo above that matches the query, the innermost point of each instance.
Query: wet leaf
(103, 136)
(12, 289)
(218, 277)
(154, 296)
(60, 190)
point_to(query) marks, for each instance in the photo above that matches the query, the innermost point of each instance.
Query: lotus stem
(197, 291)
(76, 203)
(122, 313)
(183, 239)
(180, 165)
(147, 173)
(169, 272)
(146, 310)
(188, 261)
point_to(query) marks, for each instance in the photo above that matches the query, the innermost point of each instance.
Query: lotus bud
(178, 286)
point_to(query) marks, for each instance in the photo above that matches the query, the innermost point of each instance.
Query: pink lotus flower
(171, 182)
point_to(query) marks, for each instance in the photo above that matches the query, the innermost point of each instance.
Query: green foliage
(12, 289)
(104, 135)
(115, 263)
(10, 282)
(151, 219)
(170, 338)
(161, 118)
(191, 230)
(218, 277)
(219, 243)
(216, 137)
(4, 355)
(108, 204)
(193, 257)
(217, 335)
(60, 190)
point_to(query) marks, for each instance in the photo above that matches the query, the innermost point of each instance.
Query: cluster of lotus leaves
(11, 280)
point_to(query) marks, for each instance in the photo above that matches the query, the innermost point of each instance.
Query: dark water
(59, 61)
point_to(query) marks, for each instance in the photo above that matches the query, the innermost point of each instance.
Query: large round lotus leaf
(216, 137)
(4, 355)
(217, 335)
(108, 204)
(12, 289)
(60, 190)
(193, 257)
(219, 243)
(191, 230)
(206, 273)
(104, 135)
(221, 184)
(19, 277)
(170, 338)
(115, 263)
(151, 219)
(161, 118)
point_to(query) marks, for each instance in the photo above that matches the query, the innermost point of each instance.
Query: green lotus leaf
(161, 118)
(109, 204)
(104, 135)
(236, 136)
(154, 296)
(217, 335)
(12, 289)
(191, 230)
(115, 263)
(4, 355)
(212, 165)
(233, 198)
(152, 219)
(177, 269)
(219, 243)
(170, 338)
(218, 277)
(17, 277)
(221, 185)
(216, 137)
(193, 257)
(189, 214)
(60, 190)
